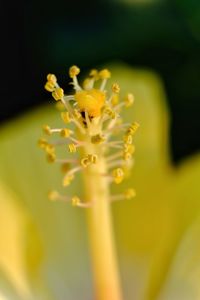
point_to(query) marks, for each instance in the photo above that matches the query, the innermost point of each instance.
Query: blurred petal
(12, 223)
(183, 277)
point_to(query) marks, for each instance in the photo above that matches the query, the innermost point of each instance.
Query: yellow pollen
(60, 106)
(94, 73)
(42, 143)
(87, 83)
(115, 88)
(85, 162)
(97, 139)
(91, 101)
(65, 132)
(65, 167)
(129, 99)
(118, 175)
(104, 74)
(77, 113)
(75, 201)
(92, 158)
(89, 159)
(65, 117)
(51, 78)
(47, 130)
(58, 94)
(49, 149)
(129, 193)
(49, 86)
(72, 148)
(51, 157)
(107, 110)
(67, 180)
(53, 195)
(74, 71)
(132, 129)
(128, 139)
(129, 148)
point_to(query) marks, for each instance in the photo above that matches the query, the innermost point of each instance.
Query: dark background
(39, 37)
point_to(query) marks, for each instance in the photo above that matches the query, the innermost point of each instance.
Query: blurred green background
(49, 36)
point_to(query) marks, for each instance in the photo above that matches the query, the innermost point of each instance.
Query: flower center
(91, 101)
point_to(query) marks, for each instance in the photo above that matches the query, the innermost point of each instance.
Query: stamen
(70, 175)
(88, 160)
(51, 78)
(58, 94)
(51, 157)
(128, 194)
(72, 148)
(118, 175)
(65, 117)
(97, 139)
(42, 143)
(68, 179)
(77, 202)
(115, 88)
(73, 72)
(65, 132)
(129, 100)
(97, 118)
(104, 75)
(88, 83)
(133, 128)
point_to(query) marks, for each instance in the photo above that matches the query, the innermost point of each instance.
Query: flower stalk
(102, 158)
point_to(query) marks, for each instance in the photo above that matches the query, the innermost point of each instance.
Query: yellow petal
(13, 221)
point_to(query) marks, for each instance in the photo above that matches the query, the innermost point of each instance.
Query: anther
(47, 129)
(58, 94)
(104, 74)
(65, 117)
(94, 74)
(75, 201)
(65, 132)
(68, 179)
(51, 78)
(65, 167)
(128, 148)
(92, 158)
(42, 143)
(118, 175)
(133, 128)
(49, 148)
(74, 71)
(128, 139)
(115, 88)
(72, 148)
(53, 195)
(77, 114)
(129, 193)
(49, 86)
(129, 100)
(111, 113)
(51, 157)
(97, 139)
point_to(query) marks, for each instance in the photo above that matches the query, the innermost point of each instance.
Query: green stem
(106, 277)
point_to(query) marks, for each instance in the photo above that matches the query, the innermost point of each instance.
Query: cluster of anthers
(97, 121)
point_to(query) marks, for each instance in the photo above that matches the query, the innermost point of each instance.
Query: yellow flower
(44, 250)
